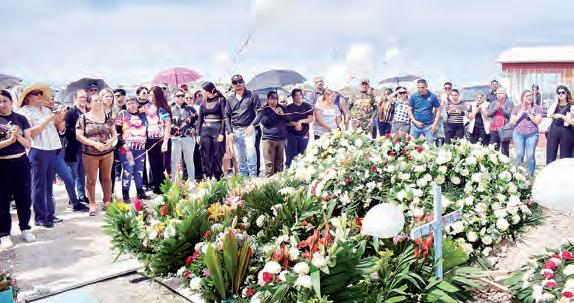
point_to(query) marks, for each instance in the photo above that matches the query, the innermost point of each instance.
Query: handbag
(545, 125)
(505, 132)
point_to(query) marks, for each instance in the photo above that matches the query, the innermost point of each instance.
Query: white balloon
(554, 186)
(383, 221)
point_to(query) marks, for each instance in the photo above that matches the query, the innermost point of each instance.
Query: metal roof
(537, 54)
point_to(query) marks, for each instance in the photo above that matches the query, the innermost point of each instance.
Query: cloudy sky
(126, 42)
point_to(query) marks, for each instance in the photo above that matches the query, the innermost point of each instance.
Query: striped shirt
(458, 116)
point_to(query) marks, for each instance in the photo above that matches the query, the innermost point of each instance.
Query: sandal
(106, 205)
(92, 213)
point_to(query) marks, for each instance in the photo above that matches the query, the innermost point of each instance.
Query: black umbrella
(82, 84)
(399, 79)
(7, 81)
(275, 78)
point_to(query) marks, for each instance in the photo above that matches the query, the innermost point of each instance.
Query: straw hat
(28, 89)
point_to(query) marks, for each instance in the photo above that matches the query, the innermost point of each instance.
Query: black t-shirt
(6, 122)
(298, 112)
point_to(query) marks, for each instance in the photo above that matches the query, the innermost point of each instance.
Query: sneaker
(28, 236)
(142, 195)
(80, 207)
(58, 220)
(6, 243)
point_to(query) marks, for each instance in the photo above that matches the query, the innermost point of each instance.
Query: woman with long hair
(96, 131)
(560, 135)
(111, 111)
(526, 116)
(158, 115)
(327, 115)
(210, 129)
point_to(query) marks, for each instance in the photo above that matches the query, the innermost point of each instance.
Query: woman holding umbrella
(158, 115)
(211, 129)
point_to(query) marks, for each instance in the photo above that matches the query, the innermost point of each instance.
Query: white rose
(568, 270)
(401, 195)
(455, 180)
(469, 200)
(282, 276)
(272, 267)
(301, 268)
(195, 283)
(486, 251)
(464, 172)
(515, 219)
(457, 227)
(439, 180)
(261, 221)
(404, 176)
(502, 224)
(417, 192)
(442, 169)
(443, 156)
(487, 240)
(471, 161)
(476, 177)
(471, 236)
(293, 253)
(303, 281)
(318, 260)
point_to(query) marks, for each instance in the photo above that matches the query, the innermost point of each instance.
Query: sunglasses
(180, 96)
(164, 88)
(561, 92)
(36, 93)
(402, 93)
(144, 93)
(236, 82)
(117, 96)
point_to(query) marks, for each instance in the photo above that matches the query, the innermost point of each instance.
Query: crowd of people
(157, 134)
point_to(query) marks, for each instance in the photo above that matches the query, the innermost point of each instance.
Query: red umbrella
(176, 76)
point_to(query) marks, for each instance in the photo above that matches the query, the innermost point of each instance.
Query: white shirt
(48, 139)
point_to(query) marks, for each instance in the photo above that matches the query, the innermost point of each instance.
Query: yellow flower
(178, 212)
(122, 206)
(215, 211)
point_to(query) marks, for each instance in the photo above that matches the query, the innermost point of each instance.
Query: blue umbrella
(275, 78)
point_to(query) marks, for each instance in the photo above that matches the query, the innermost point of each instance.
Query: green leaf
(230, 254)
(243, 262)
(280, 293)
(316, 282)
(396, 299)
(214, 267)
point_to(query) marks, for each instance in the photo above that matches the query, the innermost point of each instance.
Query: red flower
(396, 141)
(551, 284)
(550, 265)
(374, 168)
(391, 153)
(250, 292)
(305, 223)
(163, 210)
(416, 252)
(359, 221)
(267, 277)
(388, 136)
(347, 180)
(409, 138)
(404, 152)
(397, 135)
(566, 255)
(326, 197)
(548, 273)
(138, 205)
(307, 255)
(189, 260)
(420, 149)
(186, 274)
(568, 294)
(207, 235)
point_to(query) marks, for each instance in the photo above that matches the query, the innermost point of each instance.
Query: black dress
(209, 127)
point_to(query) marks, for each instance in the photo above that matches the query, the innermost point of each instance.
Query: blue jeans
(416, 132)
(296, 145)
(79, 176)
(526, 145)
(43, 174)
(245, 152)
(185, 146)
(64, 172)
(135, 170)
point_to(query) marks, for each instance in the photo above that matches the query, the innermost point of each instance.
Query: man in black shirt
(240, 112)
(73, 150)
(299, 114)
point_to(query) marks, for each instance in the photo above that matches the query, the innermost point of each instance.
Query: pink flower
(207, 235)
(250, 292)
(347, 180)
(267, 277)
(374, 168)
(550, 283)
(550, 265)
(568, 293)
(548, 273)
(206, 272)
(566, 255)
(186, 274)
(233, 201)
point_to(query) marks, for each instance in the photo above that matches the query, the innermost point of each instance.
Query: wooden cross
(435, 227)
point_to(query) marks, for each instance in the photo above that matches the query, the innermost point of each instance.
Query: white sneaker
(28, 236)
(6, 243)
